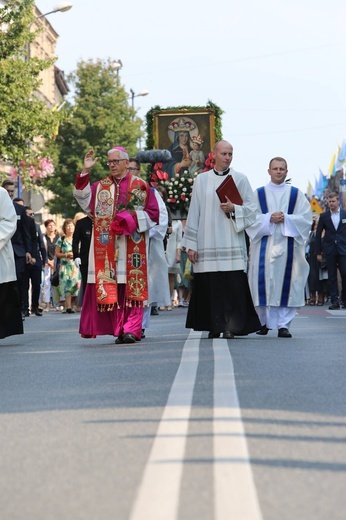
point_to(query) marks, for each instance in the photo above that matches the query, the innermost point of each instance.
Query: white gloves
(77, 262)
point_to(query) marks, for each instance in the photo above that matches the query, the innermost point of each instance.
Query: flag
(315, 206)
(332, 166)
(309, 191)
(342, 154)
(322, 184)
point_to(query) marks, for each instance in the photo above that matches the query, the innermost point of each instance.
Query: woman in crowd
(184, 284)
(50, 238)
(69, 274)
(158, 274)
(173, 253)
(317, 280)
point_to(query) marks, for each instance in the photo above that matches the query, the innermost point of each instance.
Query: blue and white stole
(290, 248)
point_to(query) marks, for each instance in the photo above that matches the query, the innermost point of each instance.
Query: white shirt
(335, 215)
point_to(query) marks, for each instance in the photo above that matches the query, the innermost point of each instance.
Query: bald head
(220, 143)
(223, 155)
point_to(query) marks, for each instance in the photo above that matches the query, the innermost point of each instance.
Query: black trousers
(222, 302)
(33, 274)
(10, 310)
(335, 262)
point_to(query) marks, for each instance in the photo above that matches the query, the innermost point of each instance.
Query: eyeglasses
(31, 214)
(133, 169)
(115, 162)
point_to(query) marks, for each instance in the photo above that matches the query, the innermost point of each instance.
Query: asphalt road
(176, 426)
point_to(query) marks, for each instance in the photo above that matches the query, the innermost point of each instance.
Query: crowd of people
(238, 268)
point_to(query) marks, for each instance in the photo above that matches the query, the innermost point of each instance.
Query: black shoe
(70, 311)
(334, 307)
(212, 335)
(129, 338)
(154, 311)
(228, 335)
(284, 333)
(119, 340)
(143, 335)
(26, 314)
(263, 330)
(37, 312)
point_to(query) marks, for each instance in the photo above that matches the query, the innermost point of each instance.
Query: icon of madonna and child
(186, 148)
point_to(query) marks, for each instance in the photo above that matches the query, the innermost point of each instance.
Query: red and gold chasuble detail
(105, 245)
(136, 269)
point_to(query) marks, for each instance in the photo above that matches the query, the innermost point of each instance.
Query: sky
(277, 68)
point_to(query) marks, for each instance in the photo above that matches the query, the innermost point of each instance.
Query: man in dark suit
(333, 223)
(21, 240)
(35, 268)
(80, 248)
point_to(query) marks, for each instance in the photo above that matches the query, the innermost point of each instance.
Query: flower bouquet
(179, 188)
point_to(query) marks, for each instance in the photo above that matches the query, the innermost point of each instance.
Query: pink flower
(158, 166)
(13, 173)
(163, 176)
(209, 162)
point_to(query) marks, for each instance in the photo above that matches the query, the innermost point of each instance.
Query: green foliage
(24, 119)
(99, 119)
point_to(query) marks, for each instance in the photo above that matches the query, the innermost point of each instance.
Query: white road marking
(158, 495)
(235, 492)
(43, 352)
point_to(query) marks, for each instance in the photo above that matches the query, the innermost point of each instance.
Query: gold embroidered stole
(136, 264)
(105, 247)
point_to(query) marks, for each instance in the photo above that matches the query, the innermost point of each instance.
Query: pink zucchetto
(121, 149)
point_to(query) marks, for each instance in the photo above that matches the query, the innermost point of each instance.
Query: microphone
(153, 156)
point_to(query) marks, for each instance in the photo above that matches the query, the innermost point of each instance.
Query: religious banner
(189, 135)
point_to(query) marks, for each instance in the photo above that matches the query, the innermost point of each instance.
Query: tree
(99, 118)
(25, 121)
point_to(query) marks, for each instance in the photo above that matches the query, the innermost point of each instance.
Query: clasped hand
(277, 217)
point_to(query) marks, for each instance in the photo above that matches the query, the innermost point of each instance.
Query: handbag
(188, 271)
(55, 278)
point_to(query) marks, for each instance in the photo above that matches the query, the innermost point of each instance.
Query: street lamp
(133, 95)
(117, 65)
(62, 7)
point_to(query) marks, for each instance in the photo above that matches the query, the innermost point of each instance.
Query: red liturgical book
(228, 187)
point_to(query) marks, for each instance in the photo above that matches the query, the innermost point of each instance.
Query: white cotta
(220, 242)
(158, 269)
(8, 226)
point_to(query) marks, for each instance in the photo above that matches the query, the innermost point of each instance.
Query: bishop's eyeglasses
(115, 162)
